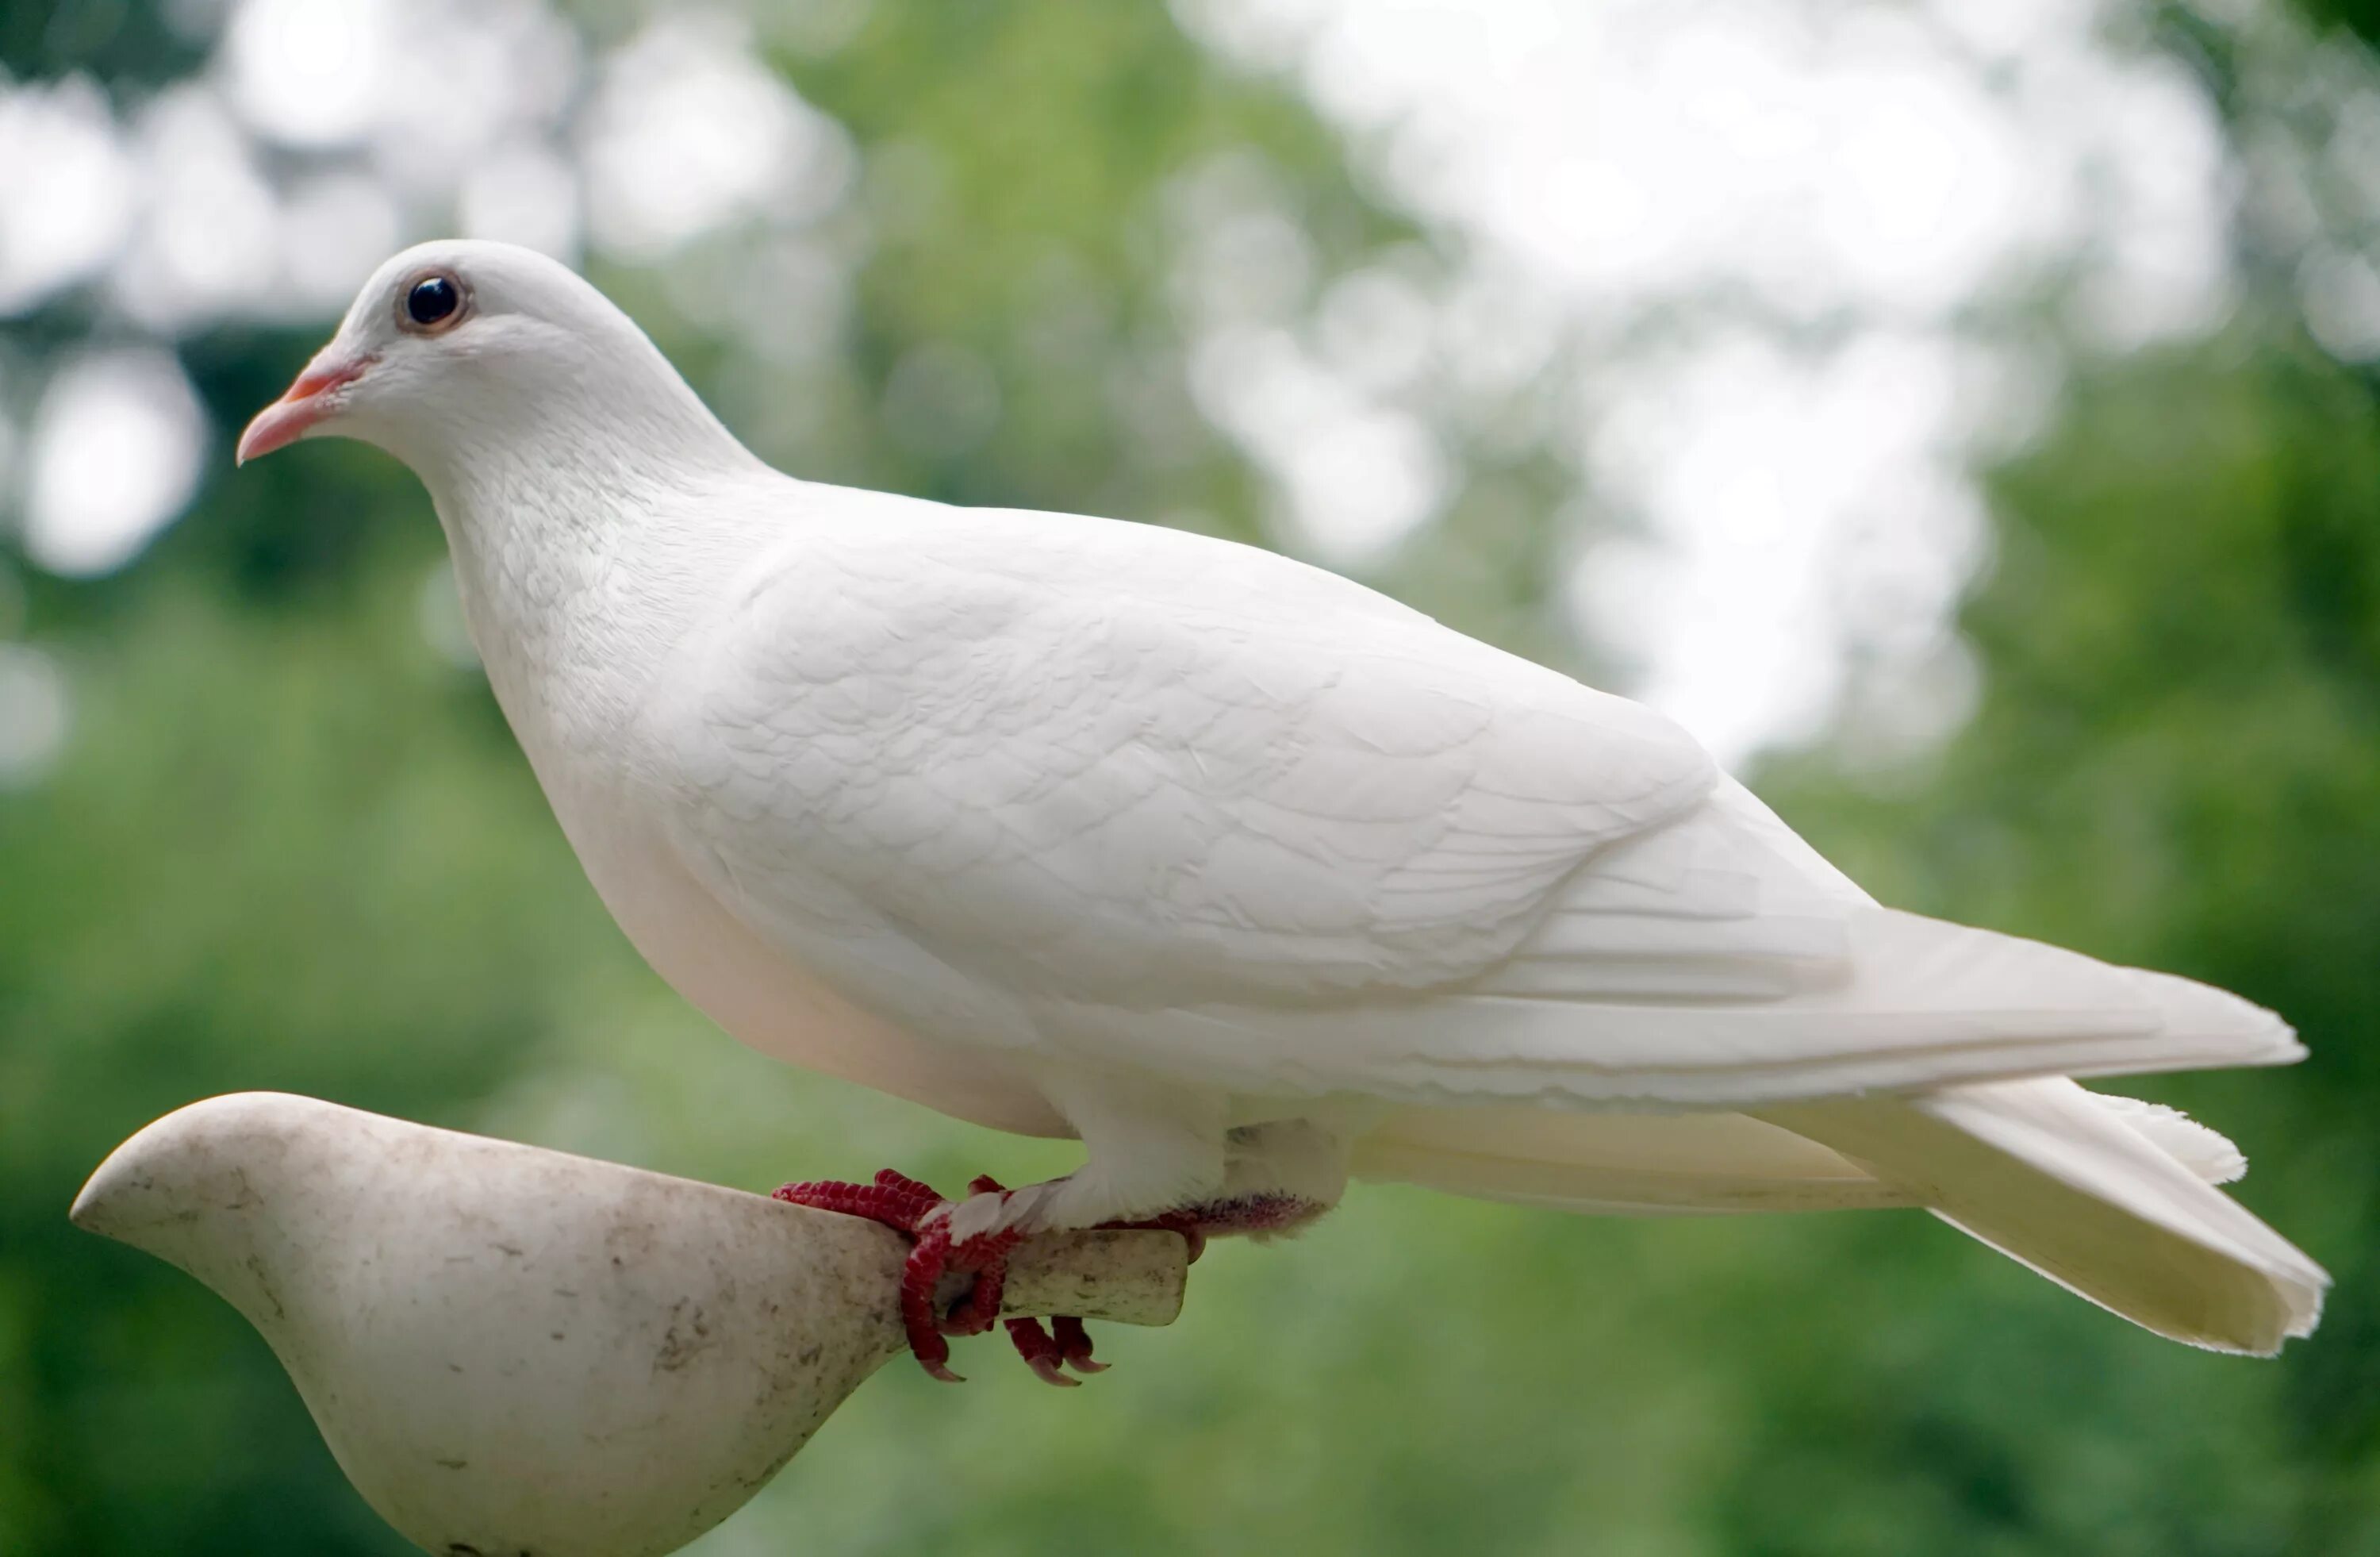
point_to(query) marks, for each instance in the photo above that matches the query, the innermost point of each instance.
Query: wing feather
(1147, 798)
(1149, 767)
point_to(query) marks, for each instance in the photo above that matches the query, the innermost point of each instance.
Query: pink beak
(305, 403)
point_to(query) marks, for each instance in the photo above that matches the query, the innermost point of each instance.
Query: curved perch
(515, 1350)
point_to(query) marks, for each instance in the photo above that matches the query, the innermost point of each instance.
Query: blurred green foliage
(2175, 762)
(291, 846)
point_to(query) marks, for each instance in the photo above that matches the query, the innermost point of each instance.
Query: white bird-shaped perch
(515, 1351)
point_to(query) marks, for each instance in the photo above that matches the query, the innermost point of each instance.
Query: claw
(1042, 1354)
(919, 1276)
(977, 1312)
(908, 1206)
(919, 1210)
(1075, 1344)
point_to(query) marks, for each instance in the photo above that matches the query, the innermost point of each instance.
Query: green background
(290, 844)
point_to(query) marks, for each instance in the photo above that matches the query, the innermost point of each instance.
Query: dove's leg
(1149, 1147)
(1260, 1180)
(916, 1210)
(1276, 1178)
(1066, 1344)
(919, 1210)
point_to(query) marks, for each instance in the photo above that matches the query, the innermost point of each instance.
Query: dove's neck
(587, 540)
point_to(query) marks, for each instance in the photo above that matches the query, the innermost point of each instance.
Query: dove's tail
(2110, 1197)
(2048, 1174)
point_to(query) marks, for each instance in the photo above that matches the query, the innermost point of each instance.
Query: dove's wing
(1148, 767)
(1154, 799)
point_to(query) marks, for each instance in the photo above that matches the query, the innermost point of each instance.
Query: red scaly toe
(1065, 1343)
(922, 1213)
(987, 1255)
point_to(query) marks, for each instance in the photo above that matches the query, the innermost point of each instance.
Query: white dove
(1247, 876)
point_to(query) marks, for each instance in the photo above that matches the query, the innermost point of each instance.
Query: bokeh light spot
(116, 447)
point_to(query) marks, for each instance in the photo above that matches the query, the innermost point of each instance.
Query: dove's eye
(433, 303)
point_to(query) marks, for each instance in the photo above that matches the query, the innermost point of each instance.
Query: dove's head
(459, 351)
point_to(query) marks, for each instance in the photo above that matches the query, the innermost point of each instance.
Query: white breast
(767, 1000)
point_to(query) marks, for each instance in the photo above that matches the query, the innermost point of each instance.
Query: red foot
(1065, 1344)
(906, 1206)
(918, 1209)
(1045, 1353)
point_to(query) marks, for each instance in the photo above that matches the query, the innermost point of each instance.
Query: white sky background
(1784, 238)
(1829, 204)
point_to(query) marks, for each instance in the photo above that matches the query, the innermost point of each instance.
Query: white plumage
(1242, 873)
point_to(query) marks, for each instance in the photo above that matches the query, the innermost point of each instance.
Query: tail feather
(2109, 1203)
(1628, 1164)
(1720, 964)
(2208, 1154)
(1669, 1164)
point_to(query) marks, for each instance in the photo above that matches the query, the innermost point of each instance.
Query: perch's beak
(305, 405)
